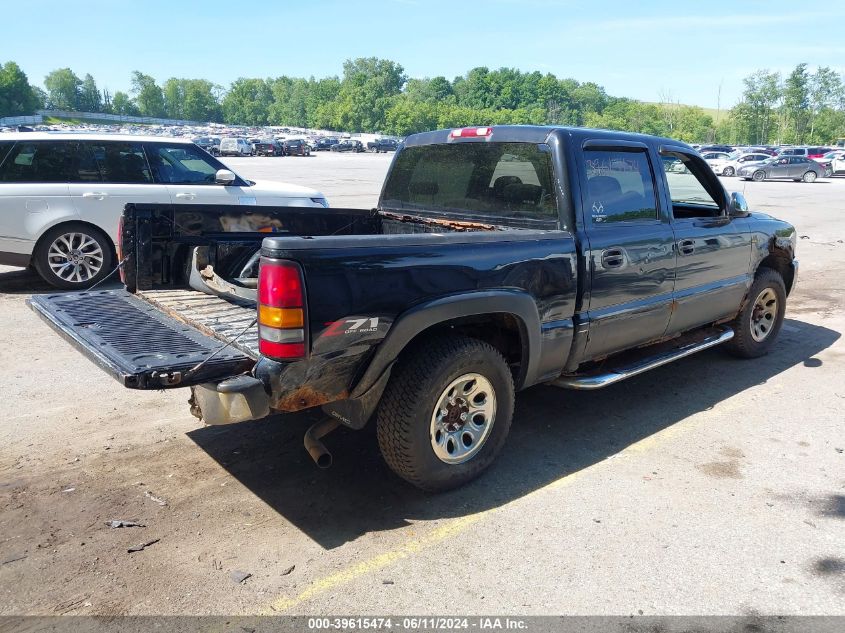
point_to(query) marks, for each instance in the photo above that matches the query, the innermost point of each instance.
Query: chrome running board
(607, 377)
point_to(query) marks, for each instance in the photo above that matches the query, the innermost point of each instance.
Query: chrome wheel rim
(764, 315)
(75, 257)
(463, 418)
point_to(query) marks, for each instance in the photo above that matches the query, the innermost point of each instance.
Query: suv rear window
(490, 181)
(40, 161)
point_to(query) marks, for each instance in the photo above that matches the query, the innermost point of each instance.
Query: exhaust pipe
(319, 453)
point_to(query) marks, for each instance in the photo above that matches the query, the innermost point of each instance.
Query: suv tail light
(281, 309)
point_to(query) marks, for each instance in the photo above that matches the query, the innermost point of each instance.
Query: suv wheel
(73, 256)
(759, 322)
(446, 412)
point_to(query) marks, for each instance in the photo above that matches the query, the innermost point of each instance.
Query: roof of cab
(88, 136)
(538, 134)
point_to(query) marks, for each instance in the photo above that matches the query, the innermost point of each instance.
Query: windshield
(491, 181)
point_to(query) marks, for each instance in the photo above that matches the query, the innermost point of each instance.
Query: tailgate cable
(116, 268)
(199, 365)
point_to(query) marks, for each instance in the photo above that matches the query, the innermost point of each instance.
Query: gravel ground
(710, 486)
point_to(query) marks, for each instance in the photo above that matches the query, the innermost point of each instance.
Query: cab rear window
(491, 181)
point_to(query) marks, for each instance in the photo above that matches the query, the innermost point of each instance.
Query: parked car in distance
(268, 147)
(715, 148)
(806, 151)
(61, 195)
(734, 162)
(796, 168)
(325, 144)
(236, 146)
(297, 147)
(383, 145)
(716, 160)
(834, 162)
(209, 143)
(465, 285)
(348, 145)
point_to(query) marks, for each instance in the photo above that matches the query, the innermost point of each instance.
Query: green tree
(368, 89)
(63, 89)
(824, 93)
(16, 95)
(796, 104)
(90, 99)
(148, 95)
(191, 99)
(248, 102)
(121, 103)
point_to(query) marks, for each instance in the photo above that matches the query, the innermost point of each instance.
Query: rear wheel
(758, 323)
(73, 256)
(446, 412)
(810, 176)
(728, 171)
(758, 176)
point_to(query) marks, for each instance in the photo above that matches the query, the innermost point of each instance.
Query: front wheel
(810, 176)
(758, 176)
(446, 412)
(758, 323)
(73, 256)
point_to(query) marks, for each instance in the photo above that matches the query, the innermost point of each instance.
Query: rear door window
(620, 186)
(118, 162)
(40, 161)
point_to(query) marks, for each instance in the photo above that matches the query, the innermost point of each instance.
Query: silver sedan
(795, 168)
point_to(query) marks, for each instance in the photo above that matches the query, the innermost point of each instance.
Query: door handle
(686, 247)
(613, 258)
(99, 195)
(186, 196)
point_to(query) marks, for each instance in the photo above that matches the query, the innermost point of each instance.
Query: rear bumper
(235, 399)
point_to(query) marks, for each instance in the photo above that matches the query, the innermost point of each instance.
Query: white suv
(61, 196)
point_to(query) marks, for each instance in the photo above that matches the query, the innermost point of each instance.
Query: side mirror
(224, 177)
(739, 206)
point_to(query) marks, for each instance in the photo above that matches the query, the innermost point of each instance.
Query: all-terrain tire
(404, 418)
(746, 343)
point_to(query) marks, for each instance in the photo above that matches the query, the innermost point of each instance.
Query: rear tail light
(471, 132)
(281, 309)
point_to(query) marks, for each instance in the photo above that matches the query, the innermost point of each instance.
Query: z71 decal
(352, 326)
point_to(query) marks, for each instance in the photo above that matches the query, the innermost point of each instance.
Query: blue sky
(635, 49)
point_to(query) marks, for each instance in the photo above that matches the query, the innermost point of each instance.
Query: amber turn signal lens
(280, 317)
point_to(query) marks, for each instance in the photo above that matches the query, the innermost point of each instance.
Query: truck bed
(224, 319)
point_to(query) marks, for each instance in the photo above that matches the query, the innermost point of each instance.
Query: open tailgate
(135, 342)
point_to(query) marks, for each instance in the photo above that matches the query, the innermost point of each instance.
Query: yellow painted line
(381, 561)
(437, 535)
(456, 526)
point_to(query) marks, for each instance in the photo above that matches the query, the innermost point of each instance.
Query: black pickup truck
(383, 145)
(498, 258)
